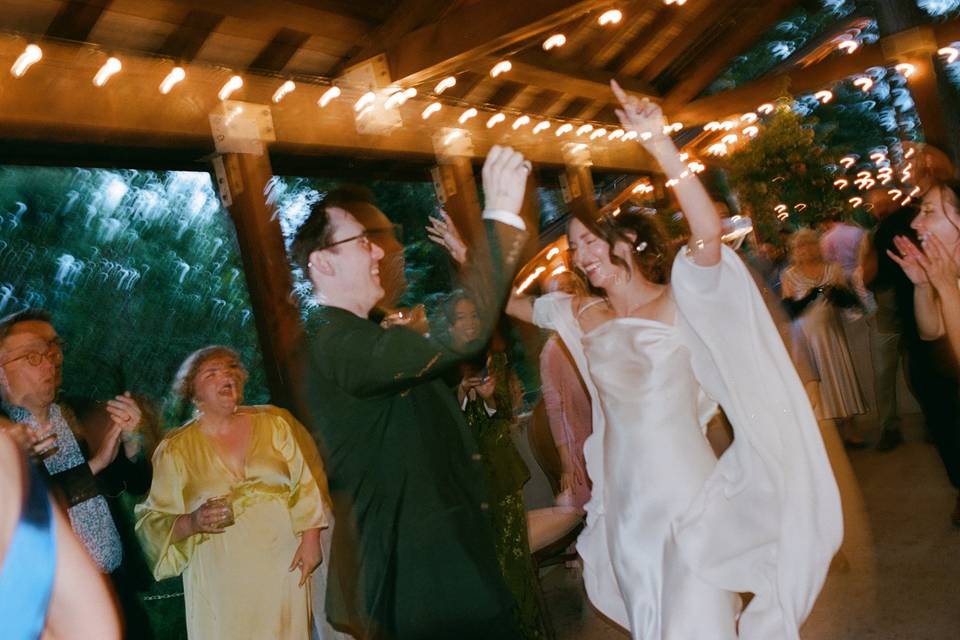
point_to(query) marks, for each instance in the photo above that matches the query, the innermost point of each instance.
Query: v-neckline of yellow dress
(222, 460)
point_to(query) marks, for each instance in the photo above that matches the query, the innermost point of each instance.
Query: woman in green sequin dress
(485, 397)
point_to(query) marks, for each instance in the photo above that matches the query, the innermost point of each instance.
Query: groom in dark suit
(413, 554)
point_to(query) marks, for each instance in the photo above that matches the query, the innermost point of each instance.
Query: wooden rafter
(765, 14)
(76, 19)
(407, 16)
(279, 51)
(185, 42)
(609, 41)
(620, 63)
(711, 13)
(474, 31)
(505, 94)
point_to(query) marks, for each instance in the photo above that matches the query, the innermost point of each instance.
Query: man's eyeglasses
(371, 235)
(54, 354)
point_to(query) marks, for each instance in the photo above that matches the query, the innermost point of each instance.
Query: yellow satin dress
(237, 584)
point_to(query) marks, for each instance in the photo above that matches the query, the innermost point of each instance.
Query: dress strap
(589, 305)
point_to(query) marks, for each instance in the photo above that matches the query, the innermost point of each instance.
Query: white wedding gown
(672, 534)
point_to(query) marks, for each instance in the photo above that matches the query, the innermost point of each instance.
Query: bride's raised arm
(646, 118)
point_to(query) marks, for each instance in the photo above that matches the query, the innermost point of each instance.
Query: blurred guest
(235, 507)
(814, 289)
(567, 403)
(934, 270)
(86, 469)
(49, 587)
(485, 398)
(413, 554)
(840, 243)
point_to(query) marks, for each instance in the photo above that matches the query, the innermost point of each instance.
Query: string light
(864, 83)
(780, 209)
(229, 87)
(645, 135)
(749, 118)
(848, 161)
(586, 128)
(599, 133)
(896, 194)
(684, 156)
(431, 109)
(530, 279)
(466, 115)
(878, 157)
(110, 68)
(766, 109)
(399, 98)
(950, 53)
(501, 67)
(679, 3)
(841, 183)
(855, 201)
(909, 153)
(283, 90)
(554, 41)
(823, 96)
(907, 172)
(730, 138)
(615, 134)
(521, 121)
(445, 84)
(495, 119)
(30, 56)
(751, 131)
(541, 126)
(672, 182)
(906, 69)
(712, 126)
(629, 135)
(697, 167)
(364, 101)
(800, 207)
(453, 135)
(728, 125)
(906, 201)
(553, 252)
(915, 192)
(558, 270)
(848, 46)
(613, 16)
(718, 149)
(328, 95)
(177, 74)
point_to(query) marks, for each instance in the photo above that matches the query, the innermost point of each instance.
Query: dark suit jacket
(413, 554)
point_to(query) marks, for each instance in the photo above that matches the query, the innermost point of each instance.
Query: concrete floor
(910, 591)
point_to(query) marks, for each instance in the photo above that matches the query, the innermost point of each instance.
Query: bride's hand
(640, 115)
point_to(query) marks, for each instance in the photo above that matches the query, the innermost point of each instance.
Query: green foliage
(785, 164)
(138, 269)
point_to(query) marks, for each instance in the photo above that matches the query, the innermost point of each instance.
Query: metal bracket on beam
(241, 127)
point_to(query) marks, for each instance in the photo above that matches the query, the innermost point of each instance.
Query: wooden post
(577, 184)
(267, 272)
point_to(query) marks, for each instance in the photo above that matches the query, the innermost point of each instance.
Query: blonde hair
(187, 373)
(802, 236)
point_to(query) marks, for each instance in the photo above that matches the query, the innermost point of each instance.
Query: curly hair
(187, 373)
(652, 249)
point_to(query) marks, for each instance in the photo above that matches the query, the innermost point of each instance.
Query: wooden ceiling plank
(543, 101)
(408, 16)
(477, 30)
(76, 19)
(505, 94)
(185, 42)
(765, 15)
(607, 44)
(279, 51)
(712, 13)
(619, 63)
(466, 82)
(575, 108)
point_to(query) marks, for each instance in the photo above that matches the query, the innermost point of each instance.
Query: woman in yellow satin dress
(235, 508)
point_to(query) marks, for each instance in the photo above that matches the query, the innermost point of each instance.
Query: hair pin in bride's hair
(640, 247)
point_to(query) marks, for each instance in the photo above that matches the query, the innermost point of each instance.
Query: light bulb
(283, 90)
(111, 67)
(30, 56)
(444, 84)
(177, 74)
(231, 85)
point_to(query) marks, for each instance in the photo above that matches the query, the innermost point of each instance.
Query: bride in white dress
(673, 535)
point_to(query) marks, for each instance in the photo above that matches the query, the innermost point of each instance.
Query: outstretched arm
(646, 118)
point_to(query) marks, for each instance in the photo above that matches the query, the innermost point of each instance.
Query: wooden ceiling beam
(477, 30)
(53, 106)
(407, 16)
(505, 94)
(542, 70)
(765, 15)
(76, 19)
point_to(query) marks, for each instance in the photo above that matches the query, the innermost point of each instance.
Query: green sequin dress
(506, 473)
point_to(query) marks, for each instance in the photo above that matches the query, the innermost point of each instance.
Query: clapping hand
(504, 179)
(125, 412)
(444, 233)
(939, 265)
(910, 260)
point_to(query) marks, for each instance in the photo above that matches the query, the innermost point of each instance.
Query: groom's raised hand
(504, 179)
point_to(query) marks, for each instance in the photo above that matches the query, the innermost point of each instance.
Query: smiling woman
(235, 478)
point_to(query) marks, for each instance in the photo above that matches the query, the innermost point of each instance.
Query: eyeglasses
(54, 354)
(368, 235)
